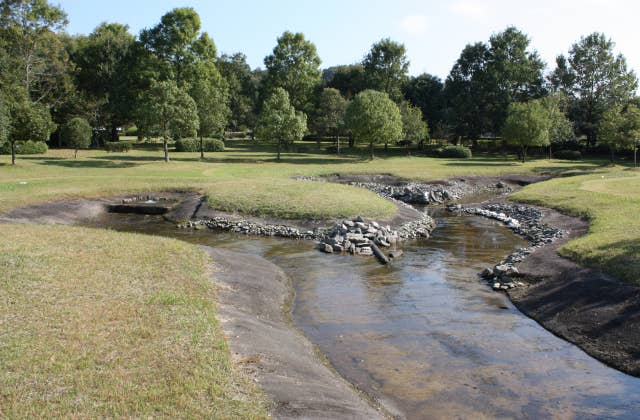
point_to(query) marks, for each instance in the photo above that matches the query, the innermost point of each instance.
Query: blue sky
(434, 32)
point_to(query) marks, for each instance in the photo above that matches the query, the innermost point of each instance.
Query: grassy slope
(610, 199)
(111, 325)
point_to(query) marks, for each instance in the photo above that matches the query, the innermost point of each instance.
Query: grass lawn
(610, 199)
(103, 324)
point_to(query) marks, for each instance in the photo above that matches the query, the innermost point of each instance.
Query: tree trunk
(165, 145)
(114, 133)
(351, 141)
(279, 142)
(524, 154)
(386, 146)
(612, 155)
(371, 151)
(13, 153)
(75, 154)
(635, 157)
(59, 139)
(338, 145)
(201, 148)
(550, 152)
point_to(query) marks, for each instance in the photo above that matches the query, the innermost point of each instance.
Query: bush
(193, 145)
(26, 148)
(131, 131)
(568, 154)
(117, 146)
(458, 152)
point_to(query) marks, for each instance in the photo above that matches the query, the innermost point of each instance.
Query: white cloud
(473, 10)
(414, 24)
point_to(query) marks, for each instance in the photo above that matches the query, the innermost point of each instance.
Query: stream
(424, 335)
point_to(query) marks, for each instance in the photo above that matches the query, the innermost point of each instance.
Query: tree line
(170, 82)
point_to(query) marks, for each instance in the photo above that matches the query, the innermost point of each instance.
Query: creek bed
(424, 335)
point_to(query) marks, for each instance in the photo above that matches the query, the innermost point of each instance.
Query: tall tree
(28, 29)
(329, 114)
(349, 80)
(620, 129)
(427, 93)
(595, 80)
(168, 112)
(373, 118)
(294, 66)
(243, 90)
(514, 73)
(467, 93)
(527, 125)
(171, 41)
(386, 67)
(102, 60)
(279, 122)
(561, 129)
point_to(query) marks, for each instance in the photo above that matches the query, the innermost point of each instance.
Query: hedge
(459, 152)
(568, 154)
(193, 145)
(26, 147)
(117, 146)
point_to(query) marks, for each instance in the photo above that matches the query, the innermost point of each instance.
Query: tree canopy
(77, 134)
(279, 121)
(294, 66)
(527, 125)
(373, 118)
(386, 67)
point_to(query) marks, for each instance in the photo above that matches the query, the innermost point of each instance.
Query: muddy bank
(252, 308)
(582, 305)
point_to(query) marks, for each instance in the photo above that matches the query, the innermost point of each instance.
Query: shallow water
(424, 335)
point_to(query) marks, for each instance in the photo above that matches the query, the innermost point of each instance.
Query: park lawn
(96, 323)
(610, 199)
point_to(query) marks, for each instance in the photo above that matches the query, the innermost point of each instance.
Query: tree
(209, 90)
(5, 121)
(349, 80)
(514, 73)
(427, 93)
(102, 62)
(294, 66)
(620, 129)
(467, 94)
(243, 91)
(329, 114)
(386, 67)
(77, 134)
(527, 124)
(373, 118)
(595, 80)
(29, 121)
(168, 112)
(561, 129)
(414, 129)
(279, 121)
(37, 56)
(171, 42)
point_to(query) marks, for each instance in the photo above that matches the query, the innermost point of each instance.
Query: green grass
(610, 199)
(112, 325)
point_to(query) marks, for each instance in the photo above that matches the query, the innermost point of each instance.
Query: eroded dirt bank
(582, 305)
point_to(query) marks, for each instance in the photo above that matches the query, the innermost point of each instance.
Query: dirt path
(252, 302)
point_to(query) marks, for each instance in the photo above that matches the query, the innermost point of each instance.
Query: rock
(496, 286)
(500, 269)
(349, 223)
(396, 253)
(359, 219)
(365, 250)
(338, 248)
(501, 185)
(487, 273)
(327, 248)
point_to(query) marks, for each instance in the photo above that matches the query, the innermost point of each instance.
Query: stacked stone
(358, 237)
(252, 228)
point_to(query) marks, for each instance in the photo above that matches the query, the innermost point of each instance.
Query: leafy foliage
(117, 146)
(279, 122)
(193, 145)
(373, 118)
(414, 128)
(386, 67)
(28, 147)
(294, 66)
(455, 152)
(620, 128)
(329, 112)
(527, 125)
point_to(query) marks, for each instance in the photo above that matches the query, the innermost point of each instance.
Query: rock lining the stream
(525, 221)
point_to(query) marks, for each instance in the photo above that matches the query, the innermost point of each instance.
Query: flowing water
(424, 335)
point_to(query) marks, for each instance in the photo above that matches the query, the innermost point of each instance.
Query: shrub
(117, 146)
(131, 131)
(77, 134)
(458, 152)
(193, 145)
(28, 147)
(568, 154)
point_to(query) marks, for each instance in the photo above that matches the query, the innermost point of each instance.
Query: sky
(434, 32)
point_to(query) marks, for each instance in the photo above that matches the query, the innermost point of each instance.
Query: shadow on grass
(71, 163)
